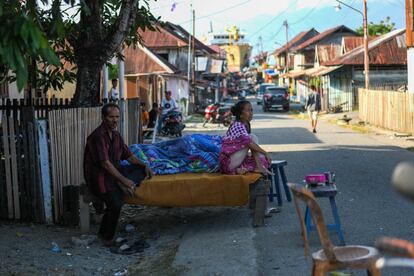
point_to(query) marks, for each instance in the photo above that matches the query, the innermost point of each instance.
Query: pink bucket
(316, 178)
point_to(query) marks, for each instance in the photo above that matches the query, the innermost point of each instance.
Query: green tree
(383, 27)
(113, 71)
(46, 34)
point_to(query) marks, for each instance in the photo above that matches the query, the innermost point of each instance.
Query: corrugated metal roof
(293, 42)
(161, 39)
(142, 60)
(327, 53)
(351, 42)
(326, 70)
(293, 74)
(388, 49)
(171, 36)
(216, 48)
(323, 35)
(182, 33)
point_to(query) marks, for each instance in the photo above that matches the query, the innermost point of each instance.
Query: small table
(329, 191)
(277, 167)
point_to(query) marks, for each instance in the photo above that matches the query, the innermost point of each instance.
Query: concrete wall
(66, 93)
(14, 93)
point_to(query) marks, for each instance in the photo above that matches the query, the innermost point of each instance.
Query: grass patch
(159, 264)
(296, 114)
(357, 128)
(410, 148)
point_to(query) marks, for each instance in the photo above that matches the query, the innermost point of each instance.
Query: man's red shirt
(101, 147)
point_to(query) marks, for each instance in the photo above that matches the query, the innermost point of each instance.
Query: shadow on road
(285, 135)
(368, 206)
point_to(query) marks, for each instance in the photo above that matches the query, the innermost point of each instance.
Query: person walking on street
(104, 176)
(313, 106)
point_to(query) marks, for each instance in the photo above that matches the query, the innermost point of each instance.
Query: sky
(262, 20)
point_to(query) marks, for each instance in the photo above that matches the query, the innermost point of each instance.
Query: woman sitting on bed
(240, 152)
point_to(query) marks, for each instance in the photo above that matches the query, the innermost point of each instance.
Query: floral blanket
(191, 153)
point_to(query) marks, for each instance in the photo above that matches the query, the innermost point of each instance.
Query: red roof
(388, 49)
(323, 35)
(351, 42)
(141, 60)
(293, 42)
(327, 53)
(161, 39)
(171, 36)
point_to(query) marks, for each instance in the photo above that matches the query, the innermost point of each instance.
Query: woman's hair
(237, 110)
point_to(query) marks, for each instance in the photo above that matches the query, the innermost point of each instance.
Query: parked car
(276, 98)
(261, 90)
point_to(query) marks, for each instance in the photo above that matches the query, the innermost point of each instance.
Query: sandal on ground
(124, 249)
(128, 249)
(120, 241)
(269, 211)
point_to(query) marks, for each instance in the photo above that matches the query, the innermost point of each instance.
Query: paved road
(225, 244)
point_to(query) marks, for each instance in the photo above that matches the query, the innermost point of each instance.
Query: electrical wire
(309, 13)
(169, 5)
(217, 12)
(272, 20)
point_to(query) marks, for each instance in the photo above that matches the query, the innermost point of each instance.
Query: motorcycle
(173, 124)
(217, 114)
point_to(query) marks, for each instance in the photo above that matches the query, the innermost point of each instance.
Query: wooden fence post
(44, 170)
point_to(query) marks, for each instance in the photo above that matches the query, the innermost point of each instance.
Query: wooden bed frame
(258, 200)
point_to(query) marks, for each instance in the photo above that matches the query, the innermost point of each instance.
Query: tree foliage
(377, 29)
(45, 43)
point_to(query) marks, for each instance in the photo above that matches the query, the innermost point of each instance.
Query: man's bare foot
(241, 171)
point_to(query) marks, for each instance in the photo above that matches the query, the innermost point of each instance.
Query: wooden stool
(277, 167)
(329, 191)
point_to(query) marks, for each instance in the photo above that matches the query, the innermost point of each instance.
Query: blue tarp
(191, 153)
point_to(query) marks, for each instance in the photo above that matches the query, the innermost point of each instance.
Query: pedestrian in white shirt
(113, 93)
(167, 104)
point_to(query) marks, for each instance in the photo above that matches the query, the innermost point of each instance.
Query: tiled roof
(323, 35)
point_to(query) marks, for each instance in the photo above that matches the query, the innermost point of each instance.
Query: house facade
(309, 55)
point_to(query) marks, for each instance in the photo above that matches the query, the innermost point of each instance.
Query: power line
(273, 19)
(303, 18)
(169, 5)
(217, 12)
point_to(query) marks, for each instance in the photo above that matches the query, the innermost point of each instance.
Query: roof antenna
(211, 26)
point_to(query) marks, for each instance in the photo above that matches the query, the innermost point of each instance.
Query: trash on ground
(129, 227)
(83, 240)
(55, 247)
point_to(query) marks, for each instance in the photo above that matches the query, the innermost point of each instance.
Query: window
(164, 56)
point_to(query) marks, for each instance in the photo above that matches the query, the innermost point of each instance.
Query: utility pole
(193, 62)
(190, 98)
(366, 36)
(285, 23)
(366, 54)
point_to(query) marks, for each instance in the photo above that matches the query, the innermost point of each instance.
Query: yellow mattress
(194, 189)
